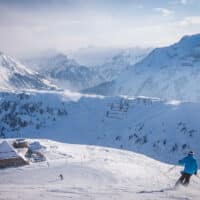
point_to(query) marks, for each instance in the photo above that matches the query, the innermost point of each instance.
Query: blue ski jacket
(190, 164)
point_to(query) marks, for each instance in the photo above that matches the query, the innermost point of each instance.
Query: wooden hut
(9, 156)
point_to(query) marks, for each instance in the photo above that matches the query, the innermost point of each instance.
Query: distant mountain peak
(69, 74)
(190, 38)
(15, 75)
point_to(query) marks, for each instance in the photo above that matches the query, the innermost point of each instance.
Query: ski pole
(171, 168)
(197, 176)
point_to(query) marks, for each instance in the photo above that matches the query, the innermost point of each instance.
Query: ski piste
(95, 173)
(172, 188)
(159, 190)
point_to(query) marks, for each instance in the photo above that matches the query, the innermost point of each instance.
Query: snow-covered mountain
(94, 56)
(68, 74)
(121, 61)
(91, 172)
(105, 89)
(15, 76)
(65, 72)
(159, 129)
(169, 73)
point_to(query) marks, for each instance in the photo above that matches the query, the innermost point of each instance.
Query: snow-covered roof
(7, 151)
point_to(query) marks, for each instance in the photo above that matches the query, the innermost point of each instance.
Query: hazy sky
(32, 25)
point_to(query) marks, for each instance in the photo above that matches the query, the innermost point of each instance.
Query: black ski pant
(184, 179)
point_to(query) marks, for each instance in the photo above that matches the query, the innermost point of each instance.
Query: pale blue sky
(27, 26)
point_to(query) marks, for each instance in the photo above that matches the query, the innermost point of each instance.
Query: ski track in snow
(93, 173)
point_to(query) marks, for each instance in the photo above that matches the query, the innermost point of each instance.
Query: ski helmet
(191, 153)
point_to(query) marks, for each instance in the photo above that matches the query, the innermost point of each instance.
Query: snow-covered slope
(159, 129)
(96, 173)
(171, 73)
(15, 76)
(65, 72)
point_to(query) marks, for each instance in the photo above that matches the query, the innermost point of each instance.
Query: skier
(190, 168)
(61, 177)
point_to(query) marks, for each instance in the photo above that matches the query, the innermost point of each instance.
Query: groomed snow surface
(92, 172)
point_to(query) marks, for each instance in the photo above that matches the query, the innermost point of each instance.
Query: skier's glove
(195, 173)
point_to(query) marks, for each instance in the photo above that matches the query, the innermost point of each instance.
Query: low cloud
(165, 12)
(191, 20)
(70, 25)
(182, 2)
